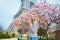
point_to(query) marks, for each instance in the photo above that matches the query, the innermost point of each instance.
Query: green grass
(27, 38)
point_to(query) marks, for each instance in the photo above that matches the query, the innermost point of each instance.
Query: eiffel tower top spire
(26, 4)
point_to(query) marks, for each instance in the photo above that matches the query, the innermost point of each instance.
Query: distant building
(0, 29)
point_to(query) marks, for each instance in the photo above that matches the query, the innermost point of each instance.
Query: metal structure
(25, 5)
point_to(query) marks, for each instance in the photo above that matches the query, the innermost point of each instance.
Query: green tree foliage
(6, 35)
(13, 35)
(41, 31)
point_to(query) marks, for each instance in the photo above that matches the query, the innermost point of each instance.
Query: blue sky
(8, 8)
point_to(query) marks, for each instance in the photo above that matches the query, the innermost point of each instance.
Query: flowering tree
(44, 12)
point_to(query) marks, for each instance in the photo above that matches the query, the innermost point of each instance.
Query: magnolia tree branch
(44, 12)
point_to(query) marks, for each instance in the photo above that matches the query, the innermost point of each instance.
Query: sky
(8, 8)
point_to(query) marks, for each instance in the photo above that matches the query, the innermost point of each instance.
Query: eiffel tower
(26, 5)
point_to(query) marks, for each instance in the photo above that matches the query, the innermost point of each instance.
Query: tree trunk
(47, 35)
(40, 37)
(47, 30)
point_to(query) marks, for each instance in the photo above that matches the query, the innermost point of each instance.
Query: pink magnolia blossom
(45, 13)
